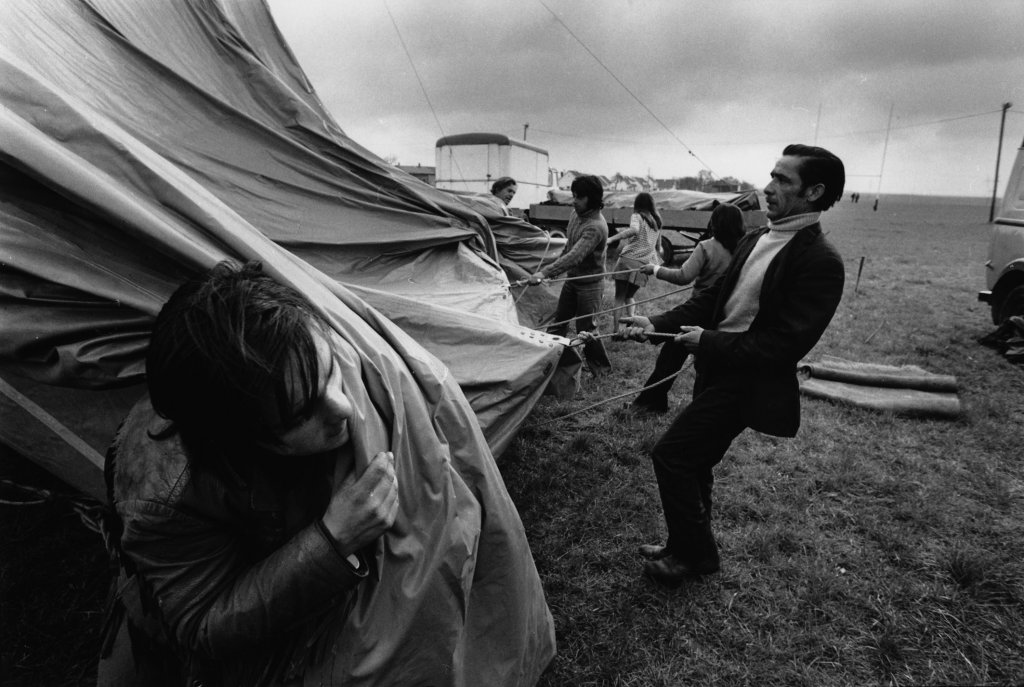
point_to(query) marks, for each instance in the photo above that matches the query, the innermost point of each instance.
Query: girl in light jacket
(635, 251)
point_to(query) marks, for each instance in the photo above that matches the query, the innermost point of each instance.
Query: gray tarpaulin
(142, 142)
(523, 249)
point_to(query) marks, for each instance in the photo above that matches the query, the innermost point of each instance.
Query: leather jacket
(233, 566)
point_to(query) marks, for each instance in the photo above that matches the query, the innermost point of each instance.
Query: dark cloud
(729, 79)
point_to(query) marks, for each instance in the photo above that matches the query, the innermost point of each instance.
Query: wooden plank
(617, 216)
(63, 430)
(685, 219)
(550, 213)
(37, 435)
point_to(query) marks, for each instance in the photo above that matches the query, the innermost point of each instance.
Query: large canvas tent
(143, 142)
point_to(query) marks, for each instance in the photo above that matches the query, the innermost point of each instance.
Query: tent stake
(859, 270)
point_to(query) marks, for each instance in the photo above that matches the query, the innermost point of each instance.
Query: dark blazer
(801, 291)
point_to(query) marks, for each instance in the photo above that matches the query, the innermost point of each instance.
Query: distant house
(621, 182)
(633, 184)
(424, 174)
(618, 182)
(566, 178)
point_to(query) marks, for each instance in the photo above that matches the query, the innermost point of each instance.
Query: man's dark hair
(501, 183)
(229, 348)
(819, 166)
(590, 188)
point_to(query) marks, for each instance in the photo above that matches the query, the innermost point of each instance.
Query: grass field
(871, 549)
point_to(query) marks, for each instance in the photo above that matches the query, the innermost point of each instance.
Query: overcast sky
(685, 85)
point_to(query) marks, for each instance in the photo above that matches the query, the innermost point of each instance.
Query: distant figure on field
(748, 331)
(703, 268)
(583, 260)
(637, 249)
(505, 190)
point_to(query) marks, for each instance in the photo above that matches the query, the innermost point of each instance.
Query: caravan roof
(485, 139)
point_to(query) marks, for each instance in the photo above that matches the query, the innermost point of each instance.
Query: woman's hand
(649, 268)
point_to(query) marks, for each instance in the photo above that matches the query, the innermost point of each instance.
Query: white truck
(472, 162)
(1004, 270)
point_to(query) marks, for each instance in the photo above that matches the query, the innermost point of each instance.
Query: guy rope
(608, 310)
(578, 341)
(613, 398)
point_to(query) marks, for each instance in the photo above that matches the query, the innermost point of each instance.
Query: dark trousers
(683, 459)
(670, 360)
(580, 301)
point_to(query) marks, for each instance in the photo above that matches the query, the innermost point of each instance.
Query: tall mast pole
(817, 125)
(999, 152)
(885, 148)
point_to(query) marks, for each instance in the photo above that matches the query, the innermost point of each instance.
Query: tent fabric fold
(140, 143)
(523, 249)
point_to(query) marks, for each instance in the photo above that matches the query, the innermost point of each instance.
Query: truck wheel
(1012, 305)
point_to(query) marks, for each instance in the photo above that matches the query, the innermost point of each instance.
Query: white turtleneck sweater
(745, 299)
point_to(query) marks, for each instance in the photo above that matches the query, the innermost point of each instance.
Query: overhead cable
(626, 88)
(783, 141)
(419, 80)
(415, 71)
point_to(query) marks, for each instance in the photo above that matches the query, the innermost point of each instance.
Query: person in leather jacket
(251, 514)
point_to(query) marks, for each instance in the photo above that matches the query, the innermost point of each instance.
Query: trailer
(472, 162)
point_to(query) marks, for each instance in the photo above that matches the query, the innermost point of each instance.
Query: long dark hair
(726, 225)
(229, 348)
(644, 204)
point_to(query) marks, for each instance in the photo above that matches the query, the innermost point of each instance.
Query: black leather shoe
(671, 572)
(653, 552)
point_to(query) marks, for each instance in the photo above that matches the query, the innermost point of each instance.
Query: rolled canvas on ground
(907, 390)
